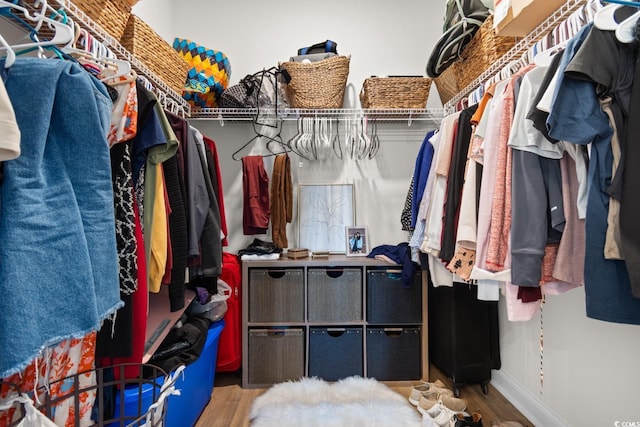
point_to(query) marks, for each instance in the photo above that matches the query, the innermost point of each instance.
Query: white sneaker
(441, 415)
(418, 389)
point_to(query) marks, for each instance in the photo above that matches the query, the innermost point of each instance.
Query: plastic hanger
(609, 17)
(11, 55)
(626, 31)
(63, 33)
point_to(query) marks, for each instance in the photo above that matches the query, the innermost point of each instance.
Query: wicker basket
(111, 15)
(154, 52)
(484, 49)
(318, 84)
(395, 92)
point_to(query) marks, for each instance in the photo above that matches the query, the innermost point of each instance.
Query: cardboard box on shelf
(519, 17)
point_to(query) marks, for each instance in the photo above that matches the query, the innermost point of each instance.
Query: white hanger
(604, 19)
(11, 55)
(626, 30)
(63, 33)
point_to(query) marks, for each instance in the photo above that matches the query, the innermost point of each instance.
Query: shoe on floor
(475, 420)
(439, 416)
(424, 387)
(429, 399)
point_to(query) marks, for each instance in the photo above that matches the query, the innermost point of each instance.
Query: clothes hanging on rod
(559, 236)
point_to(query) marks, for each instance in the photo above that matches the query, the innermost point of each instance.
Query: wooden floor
(230, 404)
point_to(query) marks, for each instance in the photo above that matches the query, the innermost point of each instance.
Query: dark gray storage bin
(393, 354)
(388, 301)
(335, 353)
(276, 295)
(334, 294)
(275, 355)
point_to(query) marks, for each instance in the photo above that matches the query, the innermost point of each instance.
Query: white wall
(591, 368)
(157, 13)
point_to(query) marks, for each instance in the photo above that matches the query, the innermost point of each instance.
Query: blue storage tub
(195, 385)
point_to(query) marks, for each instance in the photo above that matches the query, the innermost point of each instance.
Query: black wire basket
(120, 401)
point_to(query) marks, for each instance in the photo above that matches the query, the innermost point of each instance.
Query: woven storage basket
(112, 15)
(395, 92)
(484, 49)
(154, 52)
(318, 84)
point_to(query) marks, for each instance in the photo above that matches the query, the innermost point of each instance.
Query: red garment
(255, 186)
(230, 344)
(219, 189)
(139, 302)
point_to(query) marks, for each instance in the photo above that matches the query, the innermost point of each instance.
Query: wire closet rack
(118, 400)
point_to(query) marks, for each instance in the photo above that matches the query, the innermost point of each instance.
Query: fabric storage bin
(335, 353)
(276, 295)
(155, 53)
(395, 92)
(318, 84)
(389, 301)
(334, 294)
(393, 354)
(111, 15)
(276, 355)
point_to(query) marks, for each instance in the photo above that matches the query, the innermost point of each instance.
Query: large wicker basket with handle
(318, 84)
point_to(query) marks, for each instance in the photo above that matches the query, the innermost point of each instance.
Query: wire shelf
(517, 51)
(249, 114)
(170, 99)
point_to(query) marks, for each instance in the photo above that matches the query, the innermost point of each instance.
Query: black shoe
(474, 420)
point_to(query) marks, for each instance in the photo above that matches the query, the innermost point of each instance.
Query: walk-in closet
(330, 213)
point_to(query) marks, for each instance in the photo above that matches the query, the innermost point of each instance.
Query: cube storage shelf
(332, 318)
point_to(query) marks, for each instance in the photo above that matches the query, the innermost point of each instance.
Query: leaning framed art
(323, 213)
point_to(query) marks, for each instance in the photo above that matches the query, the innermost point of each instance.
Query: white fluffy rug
(353, 401)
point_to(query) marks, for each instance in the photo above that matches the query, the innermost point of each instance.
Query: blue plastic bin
(196, 387)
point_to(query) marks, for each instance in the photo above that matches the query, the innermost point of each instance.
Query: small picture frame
(357, 241)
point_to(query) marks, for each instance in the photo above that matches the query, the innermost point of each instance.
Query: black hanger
(277, 138)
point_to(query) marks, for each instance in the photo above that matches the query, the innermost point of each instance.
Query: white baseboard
(529, 404)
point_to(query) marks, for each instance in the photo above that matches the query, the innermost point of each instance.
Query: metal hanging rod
(518, 50)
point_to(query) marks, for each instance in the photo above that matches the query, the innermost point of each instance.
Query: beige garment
(612, 244)
(9, 131)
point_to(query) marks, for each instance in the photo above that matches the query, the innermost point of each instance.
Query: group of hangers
(52, 33)
(621, 17)
(541, 52)
(51, 30)
(316, 137)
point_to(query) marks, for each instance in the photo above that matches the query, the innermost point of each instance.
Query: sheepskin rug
(353, 401)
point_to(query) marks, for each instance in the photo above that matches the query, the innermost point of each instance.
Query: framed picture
(357, 241)
(323, 213)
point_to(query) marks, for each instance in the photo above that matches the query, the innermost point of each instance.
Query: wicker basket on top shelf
(484, 49)
(111, 15)
(395, 92)
(318, 84)
(154, 52)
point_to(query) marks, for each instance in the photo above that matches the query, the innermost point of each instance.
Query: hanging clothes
(607, 283)
(56, 213)
(256, 210)
(281, 200)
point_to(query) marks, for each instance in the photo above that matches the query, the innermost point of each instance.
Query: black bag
(182, 346)
(463, 18)
(259, 90)
(325, 46)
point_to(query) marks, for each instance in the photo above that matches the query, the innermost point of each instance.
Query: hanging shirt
(607, 284)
